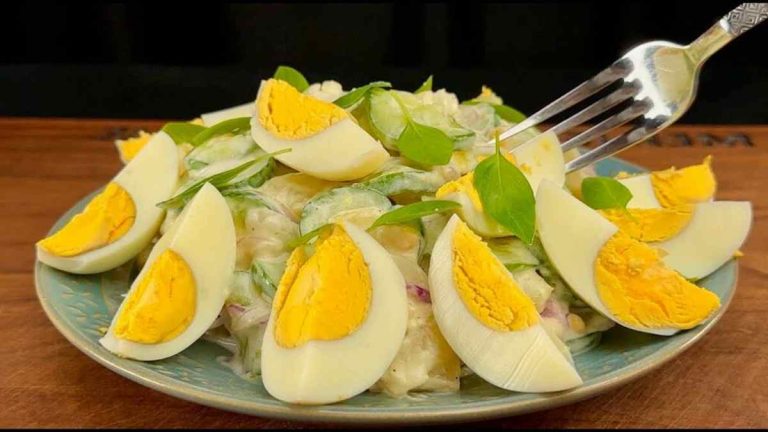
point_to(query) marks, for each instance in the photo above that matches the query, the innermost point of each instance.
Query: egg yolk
(162, 305)
(689, 185)
(130, 147)
(639, 290)
(463, 184)
(104, 220)
(486, 288)
(650, 225)
(289, 114)
(325, 297)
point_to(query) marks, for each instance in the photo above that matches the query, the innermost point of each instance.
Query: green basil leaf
(508, 113)
(306, 238)
(424, 144)
(355, 95)
(425, 86)
(217, 180)
(292, 77)
(233, 126)
(414, 211)
(604, 193)
(182, 132)
(506, 195)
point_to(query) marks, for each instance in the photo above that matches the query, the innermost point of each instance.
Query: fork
(659, 77)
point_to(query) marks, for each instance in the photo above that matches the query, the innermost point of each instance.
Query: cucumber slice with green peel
(242, 289)
(267, 274)
(396, 178)
(513, 253)
(220, 148)
(388, 120)
(323, 207)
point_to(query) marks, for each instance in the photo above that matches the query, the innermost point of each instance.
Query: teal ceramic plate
(81, 308)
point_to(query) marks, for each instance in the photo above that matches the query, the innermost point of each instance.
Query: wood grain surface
(46, 165)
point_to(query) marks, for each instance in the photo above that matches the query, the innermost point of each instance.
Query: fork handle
(738, 21)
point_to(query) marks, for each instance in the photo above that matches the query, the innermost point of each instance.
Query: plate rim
(477, 411)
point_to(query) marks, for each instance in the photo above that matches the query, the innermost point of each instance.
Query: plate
(81, 308)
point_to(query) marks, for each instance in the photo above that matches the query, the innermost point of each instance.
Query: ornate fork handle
(737, 22)
(744, 17)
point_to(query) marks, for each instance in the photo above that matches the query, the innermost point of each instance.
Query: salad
(375, 239)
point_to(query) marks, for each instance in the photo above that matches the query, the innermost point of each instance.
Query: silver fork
(659, 77)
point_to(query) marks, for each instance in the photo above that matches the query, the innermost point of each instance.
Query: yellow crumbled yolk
(324, 297)
(197, 121)
(689, 185)
(289, 114)
(104, 220)
(487, 95)
(466, 184)
(650, 225)
(130, 147)
(738, 254)
(463, 184)
(486, 288)
(162, 305)
(639, 290)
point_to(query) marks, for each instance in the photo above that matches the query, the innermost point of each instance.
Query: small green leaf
(233, 126)
(306, 238)
(292, 77)
(506, 195)
(182, 132)
(508, 113)
(355, 95)
(425, 86)
(217, 180)
(424, 144)
(414, 211)
(604, 193)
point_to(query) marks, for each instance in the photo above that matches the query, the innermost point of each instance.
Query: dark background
(177, 60)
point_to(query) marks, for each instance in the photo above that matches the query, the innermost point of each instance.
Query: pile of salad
(373, 239)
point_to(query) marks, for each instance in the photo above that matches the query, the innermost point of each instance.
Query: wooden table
(46, 165)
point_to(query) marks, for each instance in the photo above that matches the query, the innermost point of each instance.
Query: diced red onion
(420, 292)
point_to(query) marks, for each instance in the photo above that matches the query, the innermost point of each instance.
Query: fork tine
(615, 98)
(617, 70)
(633, 111)
(612, 146)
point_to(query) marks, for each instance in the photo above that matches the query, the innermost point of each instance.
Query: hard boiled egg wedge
(696, 239)
(621, 277)
(672, 187)
(122, 219)
(325, 141)
(489, 321)
(182, 287)
(538, 159)
(338, 319)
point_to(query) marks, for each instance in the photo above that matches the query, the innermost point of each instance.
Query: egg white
(149, 178)
(527, 360)
(543, 157)
(204, 236)
(573, 235)
(321, 372)
(211, 118)
(643, 194)
(343, 151)
(715, 232)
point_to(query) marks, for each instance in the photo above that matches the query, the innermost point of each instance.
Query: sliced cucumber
(267, 274)
(396, 178)
(321, 209)
(513, 253)
(242, 289)
(221, 148)
(388, 119)
(478, 118)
